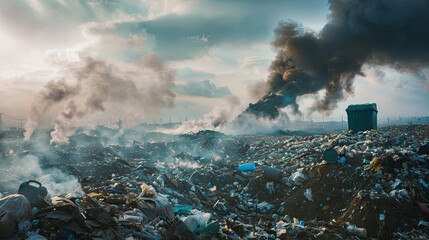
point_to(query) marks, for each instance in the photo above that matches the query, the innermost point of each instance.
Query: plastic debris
(17, 205)
(273, 174)
(148, 191)
(308, 194)
(298, 177)
(423, 223)
(330, 155)
(423, 183)
(188, 186)
(376, 164)
(396, 183)
(424, 149)
(360, 232)
(247, 167)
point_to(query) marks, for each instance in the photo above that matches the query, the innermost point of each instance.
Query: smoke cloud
(391, 33)
(52, 93)
(217, 119)
(97, 83)
(17, 170)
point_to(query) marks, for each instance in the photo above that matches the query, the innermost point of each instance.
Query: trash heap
(208, 185)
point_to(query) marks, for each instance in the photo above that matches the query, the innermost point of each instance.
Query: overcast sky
(217, 48)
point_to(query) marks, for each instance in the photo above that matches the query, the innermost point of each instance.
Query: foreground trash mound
(208, 185)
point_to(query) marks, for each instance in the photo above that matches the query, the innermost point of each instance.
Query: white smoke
(214, 120)
(98, 83)
(224, 119)
(29, 168)
(250, 124)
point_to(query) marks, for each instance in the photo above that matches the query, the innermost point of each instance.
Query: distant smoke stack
(377, 32)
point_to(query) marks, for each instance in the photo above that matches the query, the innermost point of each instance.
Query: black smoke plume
(392, 33)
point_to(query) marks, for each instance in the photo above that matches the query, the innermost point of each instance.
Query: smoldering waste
(148, 185)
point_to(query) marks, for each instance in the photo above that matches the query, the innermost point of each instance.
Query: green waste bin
(362, 117)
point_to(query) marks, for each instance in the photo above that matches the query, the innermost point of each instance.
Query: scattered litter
(360, 232)
(424, 223)
(247, 167)
(423, 183)
(396, 184)
(208, 185)
(308, 194)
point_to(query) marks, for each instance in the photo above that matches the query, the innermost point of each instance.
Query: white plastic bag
(298, 177)
(197, 221)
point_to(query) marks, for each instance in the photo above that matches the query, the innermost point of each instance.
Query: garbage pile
(208, 185)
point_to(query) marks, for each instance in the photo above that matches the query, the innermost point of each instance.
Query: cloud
(36, 17)
(175, 29)
(375, 76)
(254, 61)
(207, 24)
(202, 89)
(188, 74)
(198, 38)
(187, 36)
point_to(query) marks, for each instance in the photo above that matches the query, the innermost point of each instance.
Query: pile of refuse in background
(127, 184)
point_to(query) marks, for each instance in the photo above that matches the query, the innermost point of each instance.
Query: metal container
(31, 192)
(362, 117)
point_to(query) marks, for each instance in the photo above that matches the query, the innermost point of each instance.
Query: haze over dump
(96, 83)
(392, 33)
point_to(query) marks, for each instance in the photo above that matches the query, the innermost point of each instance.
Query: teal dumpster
(362, 117)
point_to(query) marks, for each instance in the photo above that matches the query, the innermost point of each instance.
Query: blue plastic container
(247, 167)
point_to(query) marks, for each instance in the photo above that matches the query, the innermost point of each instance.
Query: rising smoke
(52, 93)
(18, 170)
(214, 120)
(391, 33)
(97, 83)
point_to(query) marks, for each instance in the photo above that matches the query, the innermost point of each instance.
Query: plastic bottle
(360, 232)
(247, 167)
(130, 218)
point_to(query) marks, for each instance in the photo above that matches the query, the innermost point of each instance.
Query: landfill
(135, 184)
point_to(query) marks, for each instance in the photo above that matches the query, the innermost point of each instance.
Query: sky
(217, 49)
